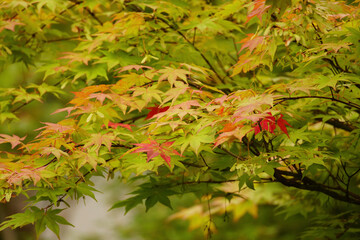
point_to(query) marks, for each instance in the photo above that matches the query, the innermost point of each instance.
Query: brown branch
(232, 154)
(350, 104)
(310, 185)
(342, 125)
(93, 16)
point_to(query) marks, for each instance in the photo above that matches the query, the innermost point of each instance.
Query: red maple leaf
(269, 124)
(258, 10)
(154, 149)
(155, 110)
(282, 124)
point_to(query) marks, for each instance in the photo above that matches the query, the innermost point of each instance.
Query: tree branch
(350, 104)
(308, 184)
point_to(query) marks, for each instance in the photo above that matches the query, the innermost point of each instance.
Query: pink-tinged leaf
(252, 117)
(100, 96)
(187, 105)
(155, 110)
(282, 124)
(67, 109)
(13, 140)
(17, 177)
(76, 57)
(154, 149)
(55, 127)
(220, 100)
(251, 42)
(115, 125)
(258, 10)
(10, 25)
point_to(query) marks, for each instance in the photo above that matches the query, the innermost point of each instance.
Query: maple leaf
(96, 88)
(172, 74)
(154, 149)
(220, 100)
(187, 105)
(55, 127)
(269, 124)
(81, 98)
(97, 139)
(246, 62)
(130, 67)
(174, 93)
(67, 109)
(52, 150)
(231, 133)
(23, 174)
(100, 97)
(251, 42)
(10, 25)
(115, 125)
(13, 140)
(196, 140)
(129, 80)
(148, 93)
(228, 127)
(258, 10)
(155, 110)
(282, 124)
(77, 57)
(86, 157)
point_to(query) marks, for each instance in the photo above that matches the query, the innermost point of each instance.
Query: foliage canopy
(255, 102)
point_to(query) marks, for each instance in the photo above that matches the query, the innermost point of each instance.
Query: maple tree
(255, 102)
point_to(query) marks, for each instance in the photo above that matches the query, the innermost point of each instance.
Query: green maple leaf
(172, 74)
(98, 139)
(195, 141)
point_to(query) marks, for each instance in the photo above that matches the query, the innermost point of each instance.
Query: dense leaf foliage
(256, 102)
